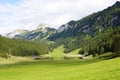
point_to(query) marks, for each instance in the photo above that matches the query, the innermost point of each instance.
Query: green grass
(62, 70)
(58, 53)
(75, 52)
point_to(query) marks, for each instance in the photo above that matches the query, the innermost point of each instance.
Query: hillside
(94, 23)
(95, 33)
(17, 47)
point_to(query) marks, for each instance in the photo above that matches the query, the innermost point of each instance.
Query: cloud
(27, 14)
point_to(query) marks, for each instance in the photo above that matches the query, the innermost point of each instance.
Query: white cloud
(29, 13)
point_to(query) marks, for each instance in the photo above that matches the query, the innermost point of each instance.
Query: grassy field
(62, 70)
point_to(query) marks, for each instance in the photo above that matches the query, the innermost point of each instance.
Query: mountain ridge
(41, 32)
(95, 33)
(92, 23)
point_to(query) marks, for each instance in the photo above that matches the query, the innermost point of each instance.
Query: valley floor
(62, 70)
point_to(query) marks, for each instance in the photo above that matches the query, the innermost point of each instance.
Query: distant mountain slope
(91, 24)
(17, 32)
(96, 22)
(41, 32)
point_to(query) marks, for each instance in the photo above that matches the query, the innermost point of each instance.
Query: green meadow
(62, 70)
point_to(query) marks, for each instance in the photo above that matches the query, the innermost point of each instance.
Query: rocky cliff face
(65, 27)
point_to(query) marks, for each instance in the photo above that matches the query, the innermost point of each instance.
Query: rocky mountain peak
(42, 27)
(117, 4)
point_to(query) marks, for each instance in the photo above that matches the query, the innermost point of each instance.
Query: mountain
(91, 24)
(41, 32)
(94, 34)
(17, 32)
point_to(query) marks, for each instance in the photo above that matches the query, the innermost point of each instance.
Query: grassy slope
(58, 53)
(60, 50)
(75, 52)
(62, 70)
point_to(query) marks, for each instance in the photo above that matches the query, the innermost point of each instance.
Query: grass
(58, 53)
(75, 52)
(14, 59)
(62, 70)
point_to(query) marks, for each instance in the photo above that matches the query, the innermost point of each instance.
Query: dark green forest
(18, 47)
(105, 41)
(102, 42)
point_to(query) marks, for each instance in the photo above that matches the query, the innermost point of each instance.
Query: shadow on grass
(58, 63)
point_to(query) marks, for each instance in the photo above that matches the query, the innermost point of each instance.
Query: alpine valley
(95, 34)
(84, 49)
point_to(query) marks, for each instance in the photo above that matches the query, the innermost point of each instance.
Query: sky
(28, 14)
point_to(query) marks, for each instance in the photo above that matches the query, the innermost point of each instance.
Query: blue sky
(9, 1)
(4, 2)
(28, 14)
